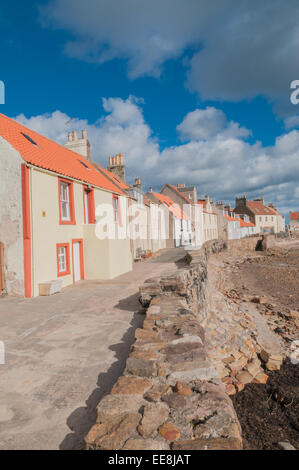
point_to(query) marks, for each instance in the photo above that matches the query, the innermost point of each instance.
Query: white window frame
(65, 202)
(62, 259)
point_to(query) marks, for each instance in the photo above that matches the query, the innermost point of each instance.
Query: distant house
(209, 221)
(146, 221)
(247, 228)
(294, 220)
(48, 214)
(179, 224)
(266, 219)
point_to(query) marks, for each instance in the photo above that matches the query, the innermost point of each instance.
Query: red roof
(274, 211)
(294, 215)
(232, 219)
(202, 202)
(45, 153)
(179, 193)
(174, 208)
(258, 208)
(246, 224)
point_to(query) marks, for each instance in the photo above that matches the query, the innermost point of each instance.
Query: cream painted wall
(261, 223)
(102, 259)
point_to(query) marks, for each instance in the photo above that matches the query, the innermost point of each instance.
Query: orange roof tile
(258, 208)
(232, 219)
(179, 193)
(174, 208)
(45, 153)
(294, 215)
(246, 224)
(202, 202)
(274, 211)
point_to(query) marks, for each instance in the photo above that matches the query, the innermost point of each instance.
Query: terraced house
(265, 217)
(51, 197)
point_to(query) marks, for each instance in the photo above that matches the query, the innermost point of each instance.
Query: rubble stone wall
(248, 243)
(169, 396)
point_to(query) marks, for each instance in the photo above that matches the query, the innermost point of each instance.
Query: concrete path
(64, 353)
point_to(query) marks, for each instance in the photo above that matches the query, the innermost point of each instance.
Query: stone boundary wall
(169, 396)
(248, 243)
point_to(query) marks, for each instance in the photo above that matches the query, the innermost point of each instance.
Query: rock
(169, 431)
(236, 366)
(261, 378)
(175, 401)
(146, 355)
(112, 434)
(145, 444)
(240, 386)
(162, 369)
(244, 377)
(154, 414)
(273, 365)
(285, 446)
(188, 371)
(254, 367)
(140, 367)
(209, 444)
(146, 336)
(228, 360)
(155, 393)
(131, 386)
(264, 355)
(183, 389)
(116, 405)
(188, 339)
(231, 390)
(236, 354)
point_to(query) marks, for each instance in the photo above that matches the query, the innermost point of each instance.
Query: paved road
(64, 353)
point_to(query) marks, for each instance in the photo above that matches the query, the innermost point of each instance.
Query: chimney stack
(137, 183)
(151, 189)
(117, 167)
(81, 146)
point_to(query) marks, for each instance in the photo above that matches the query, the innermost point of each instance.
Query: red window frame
(70, 184)
(67, 255)
(115, 197)
(90, 205)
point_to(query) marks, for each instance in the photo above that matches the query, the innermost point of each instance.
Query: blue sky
(193, 92)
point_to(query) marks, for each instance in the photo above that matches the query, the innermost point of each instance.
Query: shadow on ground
(83, 418)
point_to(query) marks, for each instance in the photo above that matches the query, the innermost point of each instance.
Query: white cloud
(221, 164)
(240, 49)
(207, 123)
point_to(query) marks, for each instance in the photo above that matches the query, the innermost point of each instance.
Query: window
(29, 138)
(89, 208)
(116, 210)
(63, 259)
(66, 202)
(260, 219)
(272, 218)
(266, 219)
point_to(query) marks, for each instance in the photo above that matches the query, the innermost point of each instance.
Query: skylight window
(29, 138)
(84, 164)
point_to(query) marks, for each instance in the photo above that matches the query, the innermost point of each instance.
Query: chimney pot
(74, 135)
(70, 137)
(84, 134)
